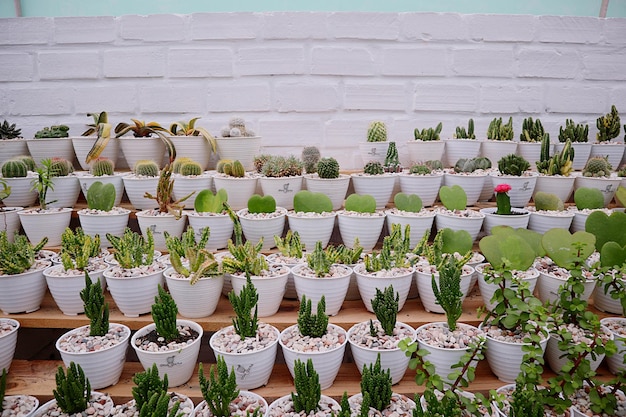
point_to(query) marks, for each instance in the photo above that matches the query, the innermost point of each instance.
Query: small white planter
(366, 227)
(582, 150)
(102, 367)
(378, 186)
(282, 189)
(326, 363)
(65, 290)
(10, 221)
(194, 301)
(134, 295)
(548, 287)
(460, 148)
(419, 222)
(159, 224)
(472, 184)
(487, 290)
(220, 225)
(23, 293)
(65, 193)
(179, 365)
(333, 289)
(531, 151)
(425, 287)
(243, 149)
(616, 362)
(542, 221)
(256, 227)
(284, 406)
(425, 186)
(516, 221)
(607, 185)
(83, 144)
(8, 342)
(50, 223)
(613, 150)
(312, 227)
(604, 302)
(135, 149)
(44, 148)
(51, 408)
(555, 357)
(10, 148)
(561, 186)
(271, 289)
(194, 147)
(369, 282)
(373, 151)
(185, 185)
(521, 187)
(472, 223)
(420, 150)
(334, 188)
(239, 190)
(22, 194)
(113, 222)
(86, 180)
(136, 187)
(494, 150)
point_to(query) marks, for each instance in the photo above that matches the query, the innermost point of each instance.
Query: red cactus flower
(502, 188)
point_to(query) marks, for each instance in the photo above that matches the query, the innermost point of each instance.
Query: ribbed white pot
(333, 289)
(44, 148)
(50, 224)
(607, 185)
(135, 149)
(604, 301)
(82, 145)
(10, 221)
(197, 300)
(548, 287)
(220, 225)
(185, 185)
(420, 150)
(326, 363)
(102, 367)
(312, 228)
(270, 289)
(284, 404)
(393, 359)
(363, 226)
(531, 151)
(136, 187)
(487, 290)
(472, 184)
(471, 224)
(65, 193)
(179, 365)
(368, 283)
(243, 149)
(419, 223)
(86, 180)
(541, 222)
(253, 368)
(254, 229)
(582, 150)
(425, 287)
(134, 295)
(245, 398)
(8, 342)
(378, 186)
(516, 221)
(65, 290)
(10, 148)
(373, 151)
(616, 362)
(23, 293)
(194, 147)
(561, 186)
(556, 359)
(425, 186)
(113, 222)
(460, 148)
(521, 187)
(282, 189)
(239, 190)
(334, 188)
(22, 193)
(614, 151)
(104, 399)
(159, 225)
(494, 150)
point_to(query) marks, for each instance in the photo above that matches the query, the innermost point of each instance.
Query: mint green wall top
(617, 8)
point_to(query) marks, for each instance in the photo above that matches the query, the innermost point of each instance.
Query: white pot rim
(243, 213)
(359, 268)
(127, 333)
(297, 267)
(80, 274)
(159, 269)
(13, 322)
(444, 324)
(120, 211)
(353, 328)
(334, 326)
(149, 327)
(223, 329)
(32, 211)
(46, 263)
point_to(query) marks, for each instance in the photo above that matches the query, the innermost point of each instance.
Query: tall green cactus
(461, 133)
(428, 134)
(574, 132)
(608, 126)
(164, 311)
(392, 161)
(532, 130)
(72, 392)
(497, 130)
(96, 309)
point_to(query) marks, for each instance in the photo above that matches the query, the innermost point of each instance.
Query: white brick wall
(313, 77)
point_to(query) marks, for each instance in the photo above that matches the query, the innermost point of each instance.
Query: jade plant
(261, 204)
(199, 263)
(308, 392)
(608, 126)
(164, 311)
(392, 161)
(164, 194)
(498, 130)
(376, 382)
(141, 129)
(101, 196)
(597, 166)
(73, 391)
(588, 198)
(462, 133)
(453, 197)
(208, 202)
(310, 157)
(472, 164)
(364, 203)
(313, 325)
(220, 389)
(328, 168)
(18, 256)
(575, 132)
(513, 164)
(148, 384)
(310, 202)
(377, 132)
(96, 309)
(9, 131)
(245, 322)
(428, 134)
(532, 130)
(132, 250)
(55, 131)
(407, 202)
(385, 305)
(77, 248)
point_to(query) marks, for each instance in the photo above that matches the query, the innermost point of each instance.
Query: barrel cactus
(61, 167)
(14, 168)
(420, 169)
(191, 168)
(147, 168)
(102, 166)
(234, 169)
(377, 132)
(31, 165)
(328, 168)
(373, 168)
(178, 163)
(597, 166)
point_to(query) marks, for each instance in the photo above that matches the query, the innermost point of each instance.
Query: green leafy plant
(608, 126)
(261, 204)
(428, 134)
(408, 202)
(165, 194)
(96, 310)
(207, 202)
(245, 322)
(377, 132)
(44, 182)
(147, 384)
(453, 197)
(574, 132)
(313, 325)
(385, 306)
(77, 248)
(308, 392)
(73, 390)
(164, 311)
(101, 196)
(9, 131)
(55, 131)
(310, 202)
(328, 168)
(18, 256)
(377, 382)
(200, 262)
(189, 128)
(498, 130)
(513, 164)
(132, 249)
(310, 157)
(364, 203)
(548, 201)
(532, 130)
(141, 129)
(220, 390)
(461, 133)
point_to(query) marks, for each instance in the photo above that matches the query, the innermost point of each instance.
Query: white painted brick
(383, 26)
(503, 99)
(134, 62)
(153, 28)
(483, 62)
(309, 97)
(340, 133)
(225, 26)
(292, 133)
(200, 62)
(376, 96)
(59, 65)
(270, 61)
(433, 26)
(502, 28)
(342, 61)
(120, 98)
(289, 25)
(569, 29)
(548, 63)
(607, 65)
(617, 96)
(25, 30)
(446, 97)
(614, 31)
(575, 99)
(419, 61)
(16, 67)
(239, 97)
(173, 99)
(40, 101)
(100, 29)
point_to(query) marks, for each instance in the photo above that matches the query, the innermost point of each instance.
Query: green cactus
(360, 203)
(132, 249)
(434, 164)
(310, 157)
(207, 202)
(377, 132)
(532, 131)
(190, 168)
(574, 132)
(513, 164)
(588, 198)
(499, 131)
(448, 292)
(147, 384)
(158, 405)
(200, 262)
(392, 161)
(597, 166)
(608, 126)
(547, 201)
(280, 166)
(309, 202)
(178, 163)
(31, 165)
(373, 168)
(220, 390)
(102, 166)
(420, 169)
(377, 383)
(61, 167)
(328, 168)
(72, 392)
(385, 306)
(60, 131)
(9, 131)
(259, 161)
(164, 311)
(147, 168)
(319, 260)
(96, 310)
(393, 253)
(14, 168)
(3, 384)
(289, 246)
(219, 167)
(461, 133)
(244, 304)
(562, 163)
(428, 134)
(234, 169)
(308, 391)
(77, 248)
(313, 325)
(17, 256)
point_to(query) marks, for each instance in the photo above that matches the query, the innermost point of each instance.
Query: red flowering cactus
(502, 199)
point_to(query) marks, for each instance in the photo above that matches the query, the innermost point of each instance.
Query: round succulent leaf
(607, 228)
(261, 204)
(620, 195)
(408, 202)
(565, 248)
(507, 251)
(613, 255)
(453, 197)
(459, 241)
(364, 203)
(207, 202)
(588, 198)
(309, 202)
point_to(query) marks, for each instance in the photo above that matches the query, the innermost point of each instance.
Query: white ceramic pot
(194, 147)
(521, 187)
(326, 363)
(548, 287)
(257, 228)
(334, 188)
(556, 359)
(197, 300)
(613, 150)
(561, 186)
(378, 186)
(541, 222)
(136, 187)
(245, 398)
(580, 218)
(607, 185)
(487, 290)
(615, 362)
(186, 185)
(494, 150)
(582, 150)
(460, 148)
(420, 150)
(253, 368)
(50, 223)
(22, 193)
(45, 409)
(373, 151)
(86, 180)
(420, 223)
(220, 225)
(333, 289)
(472, 224)
(44, 148)
(11, 400)
(425, 287)
(159, 224)
(312, 228)
(284, 404)
(282, 189)
(531, 151)
(425, 186)
(270, 289)
(65, 290)
(8, 342)
(10, 148)
(516, 221)
(135, 149)
(604, 301)
(472, 184)
(369, 282)
(239, 190)
(179, 365)
(243, 149)
(65, 193)
(113, 222)
(102, 367)
(10, 221)
(23, 293)
(134, 295)
(82, 145)
(366, 227)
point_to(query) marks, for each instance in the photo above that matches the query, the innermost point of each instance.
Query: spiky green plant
(165, 194)
(448, 292)
(608, 126)
(313, 325)
(532, 130)
(146, 167)
(77, 248)
(102, 166)
(498, 130)
(73, 391)
(164, 311)
(385, 306)
(191, 168)
(377, 132)
(290, 245)
(200, 261)
(259, 161)
(96, 310)
(373, 168)
(147, 384)
(461, 133)
(597, 166)
(61, 167)
(9, 131)
(307, 383)
(158, 406)
(428, 134)
(420, 169)
(377, 383)
(55, 131)
(281, 166)
(513, 164)
(220, 390)
(574, 132)
(392, 161)
(310, 157)
(132, 249)
(328, 168)
(17, 256)
(319, 260)
(3, 384)
(393, 253)
(14, 168)
(245, 321)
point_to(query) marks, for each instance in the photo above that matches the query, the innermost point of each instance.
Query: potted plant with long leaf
(192, 141)
(148, 141)
(88, 149)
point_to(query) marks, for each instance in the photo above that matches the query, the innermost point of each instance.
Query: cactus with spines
(246, 257)
(377, 132)
(101, 196)
(9, 131)
(132, 250)
(146, 168)
(178, 163)
(259, 161)
(608, 126)
(164, 311)
(164, 195)
(319, 260)
(191, 168)
(373, 168)
(73, 391)
(236, 128)
(392, 161)
(220, 389)
(310, 157)
(17, 256)
(308, 391)
(200, 262)
(472, 164)
(96, 309)
(376, 382)
(574, 132)
(428, 134)
(58, 131)
(102, 166)
(597, 166)
(420, 169)
(393, 253)
(219, 167)
(14, 168)
(61, 167)
(513, 164)
(31, 165)
(281, 166)
(313, 325)
(158, 406)
(290, 245)
(532, 130)
(77, 248)
(461, 133)
(385, 305)
(234, 169)
(498, 130)
(328, 168)
(561, 163)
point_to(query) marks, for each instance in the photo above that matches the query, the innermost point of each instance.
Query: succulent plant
(236, 128)
(428, 134)
(310, 157)
(309, 202)
(200, 262)
(73, 391)
(259, 161)
(31, 165)
(434, 164)
(461, 133)
(360, 203)
(164, 195)
(43, 182)
(407, 202)
(420, 169)
(385, 305)
(148, 384)
(588, 198)
(132, 249)
(96, 310)
(146, 167)
(244, 304)
(19, 255)
(513, 164)
(608, 126)
(207, 202)
(142, 129)
(178, 163)
(453, 197)
(377, 382)
(220, 390)
(377, 132)
(101, 196)
(9, 131)
(102, 128)
(319, 260)
(393, 252)
(574, 132)
(561, 163)
(14, 168)
(532, 130)
(308, 390)
(290, 245)
(373, 168)
(61, 167)
(280, 166)
(472, 164)
(234, 169)
(328, 168)
(102, 166)
(189, 128)
(597, 166)
(392, 161)
(77, 248)
(313, 325)
(59, 131)
(164, 311)
(190, 168)
(219, 167)
(499, 131)
(548, 201)
(261, 204)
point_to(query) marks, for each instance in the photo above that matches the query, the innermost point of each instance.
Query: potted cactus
(66, 188)
(376, 145)
(375, 182)
(148, 141)
(27, 404)
(103, 170)
(262, 220)
(189, 177)
(499, 140)
(422, 179)
(143, 178)
(598, 173)
(282, 179)
(211, 211)
(192, 141)
(548, 212)
(49, 142)
(329, 180)
(361, 220)
(471, 174)
(87, 149)
(503, 213)
(578, 135)
(609, 128)
(463, 144)
(427, 144)
(455, 215)
(514, 170)
(238, 142)
(408, 211)
(312, 217)
(11, 141)
(18, 173)
(529, 146)
(555, 170)
(239, 184)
